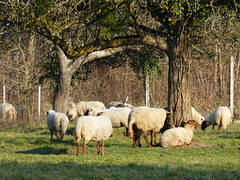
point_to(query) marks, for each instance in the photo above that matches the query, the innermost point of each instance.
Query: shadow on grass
(77, 170)
(45, 151)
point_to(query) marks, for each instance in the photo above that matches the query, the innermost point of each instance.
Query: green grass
(27, 154)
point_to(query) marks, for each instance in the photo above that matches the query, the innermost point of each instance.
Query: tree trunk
(179, 103)
(61, 93)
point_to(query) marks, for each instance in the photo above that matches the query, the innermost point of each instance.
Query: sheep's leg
(213, 126)
(61, 135)
(84, 147)
(134, 141)
(51, 134)
(146, 139)
(78, 143)
(126, 132)
(220, 127)
(98, 144)
(102, 147)
(139, 141)
(151, 132)
(57, 134)
(155, 137)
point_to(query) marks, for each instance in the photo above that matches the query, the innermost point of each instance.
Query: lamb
(118, 116)
(196, 116)
(81, 108)
(10, 112)
(179, 136)
(220, 116)
(58, 122)
(92, 128)
(143, 120)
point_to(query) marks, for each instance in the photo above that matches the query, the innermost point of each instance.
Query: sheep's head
(204, 125)
(89, 110)
(193, 122)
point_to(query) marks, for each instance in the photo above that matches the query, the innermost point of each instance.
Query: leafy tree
(80, 29)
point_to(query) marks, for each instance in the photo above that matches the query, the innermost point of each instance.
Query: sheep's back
(119, 116)
(222, 116)
(175, 137)
(61, 122)
(147, 119)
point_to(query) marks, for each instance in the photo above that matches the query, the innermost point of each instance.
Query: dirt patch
(198, 143)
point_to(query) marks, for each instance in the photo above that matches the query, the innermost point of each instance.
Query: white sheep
(92, 128)
(196, 116)
(178, 136)
(10, 112)
(81, 108)
(118, 116)
(58, 122)
(220, 116)
(118, 104)
(143, 120)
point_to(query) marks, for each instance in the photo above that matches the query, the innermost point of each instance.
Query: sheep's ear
(167, 112)
(46, 113)
(90, 109)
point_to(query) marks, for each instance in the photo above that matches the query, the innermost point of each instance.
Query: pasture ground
(28, 153)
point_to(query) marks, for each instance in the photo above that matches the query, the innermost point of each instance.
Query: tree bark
(179, 103)
(61, 93)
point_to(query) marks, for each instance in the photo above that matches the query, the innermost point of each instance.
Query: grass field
(29, 154)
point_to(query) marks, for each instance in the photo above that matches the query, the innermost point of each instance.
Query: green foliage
(146, 62)
(31, 155)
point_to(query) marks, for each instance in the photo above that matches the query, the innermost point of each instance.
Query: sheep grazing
(196, 116)
(81, 108)
(179, 136)
(118, 116)
(118, 104)
(57, 122)
(10, 112)
(143, 120)
(220, 116)
(92, 128)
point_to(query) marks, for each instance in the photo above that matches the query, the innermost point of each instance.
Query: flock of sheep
(94, 122)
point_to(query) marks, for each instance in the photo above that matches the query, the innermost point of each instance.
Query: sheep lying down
(179, 136)
(92, 128)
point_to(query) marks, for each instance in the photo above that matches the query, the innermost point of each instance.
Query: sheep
(178, 136)
(196, 116)
(81, 107)
(22, 112)
(118, 116)
(220, 116)
(143, 120)
(58, 122)
(118, 104)
(92, 128)
(10, 112)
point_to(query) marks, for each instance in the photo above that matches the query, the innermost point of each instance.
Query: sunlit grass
(29, 154)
